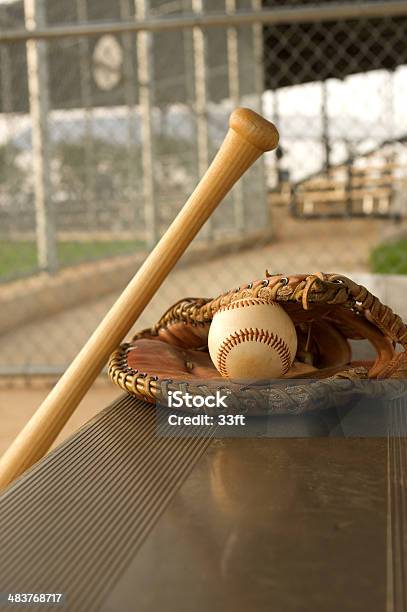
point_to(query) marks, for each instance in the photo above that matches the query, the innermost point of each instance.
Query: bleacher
(372, 185)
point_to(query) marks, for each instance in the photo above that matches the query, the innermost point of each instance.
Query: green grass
(19, 258)
(390, 258)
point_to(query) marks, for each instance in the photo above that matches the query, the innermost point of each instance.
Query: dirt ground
(298, 246)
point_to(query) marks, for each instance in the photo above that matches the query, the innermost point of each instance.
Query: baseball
(252, 339)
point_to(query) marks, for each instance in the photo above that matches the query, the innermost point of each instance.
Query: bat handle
(248, 137)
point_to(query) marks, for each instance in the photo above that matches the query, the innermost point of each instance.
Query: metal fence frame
(297, 14)
(37, 33)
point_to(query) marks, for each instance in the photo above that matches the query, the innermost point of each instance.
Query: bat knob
(254, 128)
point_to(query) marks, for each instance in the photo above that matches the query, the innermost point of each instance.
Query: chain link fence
(106, 126)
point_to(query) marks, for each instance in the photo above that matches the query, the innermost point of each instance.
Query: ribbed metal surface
(397, 508)
(74, 521)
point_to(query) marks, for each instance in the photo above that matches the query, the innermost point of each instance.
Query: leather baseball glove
(328, 311)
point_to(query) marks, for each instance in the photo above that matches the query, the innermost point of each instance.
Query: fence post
(6, 82)
(201, 100)
(325, 125)
(129, 83)
(189, 79)
(39, 108)
(232, 36)
(6, 90)
(349, 176)
(258, 49)
(145, 84)
(86, 99)
(258, 52)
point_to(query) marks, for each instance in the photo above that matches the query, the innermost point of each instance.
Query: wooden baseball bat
(249, 136)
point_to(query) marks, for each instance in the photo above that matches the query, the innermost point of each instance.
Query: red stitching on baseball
(258, 335)
(242, 302)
